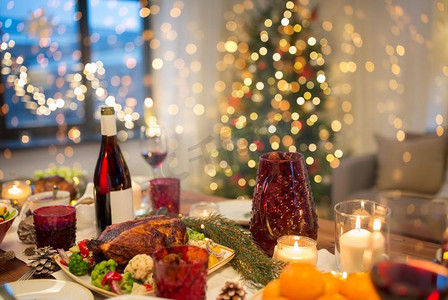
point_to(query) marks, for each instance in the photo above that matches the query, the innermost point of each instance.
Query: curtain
(185, 99)
(388, 67)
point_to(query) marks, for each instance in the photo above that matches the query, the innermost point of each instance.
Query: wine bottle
(112, 180)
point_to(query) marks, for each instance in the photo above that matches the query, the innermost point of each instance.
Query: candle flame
(296, 246)
(15, 190)
(362, 205)
(377, 225)
(358, 222)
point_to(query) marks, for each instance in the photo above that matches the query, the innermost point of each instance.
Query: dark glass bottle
(112, 180)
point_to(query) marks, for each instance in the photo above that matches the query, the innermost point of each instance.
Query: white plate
(49, 289)
(85, 280)
(237, 210)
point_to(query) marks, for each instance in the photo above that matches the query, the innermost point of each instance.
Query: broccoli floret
(127, 283)
(100, 270)
(77, 265)
(194, 235)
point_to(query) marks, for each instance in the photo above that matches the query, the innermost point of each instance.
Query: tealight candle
(203, 209)
(296, 248)
(16, 191)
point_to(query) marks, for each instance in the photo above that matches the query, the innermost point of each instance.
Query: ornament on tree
(26, 231)
(43, 262)
(232, 290)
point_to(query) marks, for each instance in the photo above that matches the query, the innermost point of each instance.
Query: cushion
(415, 164)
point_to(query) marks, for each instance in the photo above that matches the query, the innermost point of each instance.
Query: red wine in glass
(416, 279)
(153, 146)
(154, 158)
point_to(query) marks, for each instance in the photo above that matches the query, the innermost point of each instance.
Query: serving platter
(85, 279)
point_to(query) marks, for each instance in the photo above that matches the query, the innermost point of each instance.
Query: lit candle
(377, 243)
(352, 246)
(203, 209)
(296, 248)
(16, 191)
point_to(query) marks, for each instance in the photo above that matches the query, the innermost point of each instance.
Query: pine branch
(250, 260)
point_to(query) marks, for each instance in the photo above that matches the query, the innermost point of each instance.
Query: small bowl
(4, 226)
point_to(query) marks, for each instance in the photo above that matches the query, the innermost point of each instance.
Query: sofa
(408, 176)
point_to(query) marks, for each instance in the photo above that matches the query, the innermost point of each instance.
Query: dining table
(402, 248)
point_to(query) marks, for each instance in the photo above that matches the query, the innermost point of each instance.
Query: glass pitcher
(283, 202)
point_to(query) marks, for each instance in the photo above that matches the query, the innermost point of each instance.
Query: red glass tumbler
(165, 192)
(283, 202)
(55, 226)
(180, 272)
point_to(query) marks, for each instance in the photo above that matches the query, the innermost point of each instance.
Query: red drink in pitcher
(283, 202)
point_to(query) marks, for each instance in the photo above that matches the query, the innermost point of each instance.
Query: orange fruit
(301, 281)
(331, 297)
(272, 289)
(358, 286)
(332, 283)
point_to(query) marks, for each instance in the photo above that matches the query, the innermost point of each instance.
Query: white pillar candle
(352, 246)
(296, 248)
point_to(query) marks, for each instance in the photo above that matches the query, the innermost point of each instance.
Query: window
(61, 61)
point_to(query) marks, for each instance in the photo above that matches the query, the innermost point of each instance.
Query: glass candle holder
(203, 209)
(296, 248)
(180, 272)
(361, 234)
(17, 191)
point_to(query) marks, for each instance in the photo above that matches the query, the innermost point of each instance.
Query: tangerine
(332, 283)
(358, 286)
(331, 297)
(272, 289)
(301, 281)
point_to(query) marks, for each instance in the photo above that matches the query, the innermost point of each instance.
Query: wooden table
(401, 247)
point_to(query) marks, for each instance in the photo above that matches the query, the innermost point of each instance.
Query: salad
(7, 213)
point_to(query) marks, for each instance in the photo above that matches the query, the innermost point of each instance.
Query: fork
(27, 274)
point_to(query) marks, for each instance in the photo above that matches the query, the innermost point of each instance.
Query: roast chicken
(123, 241)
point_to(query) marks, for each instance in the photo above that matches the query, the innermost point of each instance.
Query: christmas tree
(275, 97)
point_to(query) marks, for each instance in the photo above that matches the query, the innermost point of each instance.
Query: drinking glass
(414, 279)
(180, 272)
(283, 203)
(153, 146)
(165, 192)
(55, 226)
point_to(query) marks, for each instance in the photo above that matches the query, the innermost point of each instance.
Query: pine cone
(43, 261)
(29, 251)
(26, 232)
(232, 290)
(9, 255)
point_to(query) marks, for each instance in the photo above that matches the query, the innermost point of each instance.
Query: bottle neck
(108, 125)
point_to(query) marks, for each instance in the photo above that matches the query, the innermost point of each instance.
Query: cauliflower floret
(138, 289)
(140, 267)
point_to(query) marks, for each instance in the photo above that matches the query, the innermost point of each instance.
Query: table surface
(401, 247)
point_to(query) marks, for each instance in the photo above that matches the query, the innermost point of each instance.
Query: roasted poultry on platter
(123, 241)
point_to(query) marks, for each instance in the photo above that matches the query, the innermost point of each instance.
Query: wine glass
(153, 146)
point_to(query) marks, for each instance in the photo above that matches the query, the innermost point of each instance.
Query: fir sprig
(250, 260)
